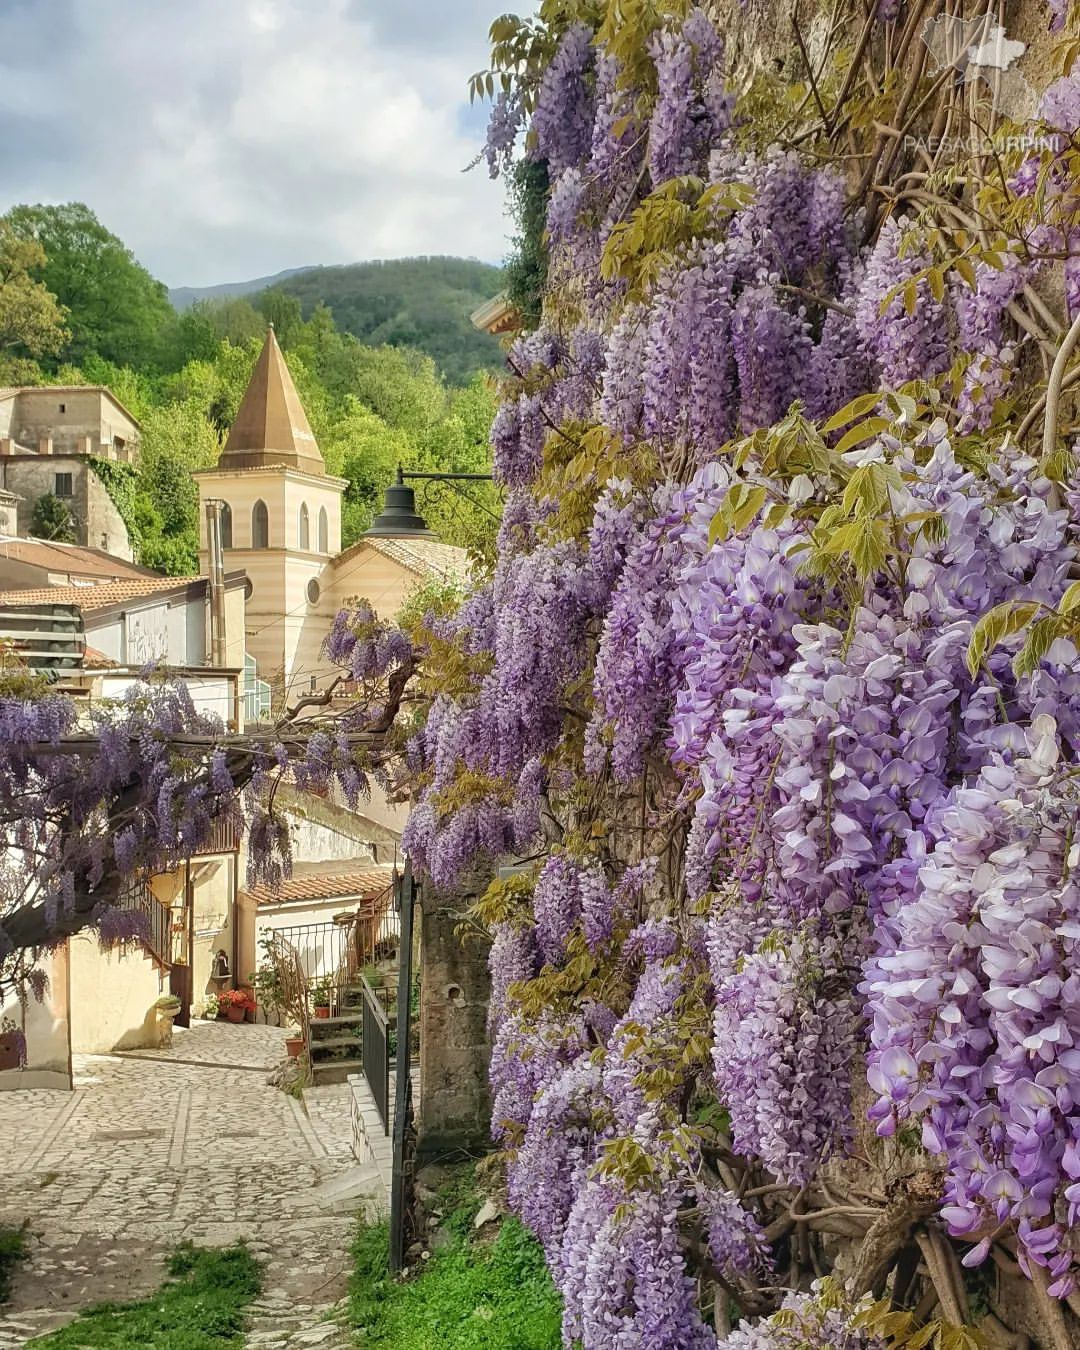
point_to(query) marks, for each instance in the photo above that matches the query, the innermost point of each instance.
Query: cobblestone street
(155, 1147)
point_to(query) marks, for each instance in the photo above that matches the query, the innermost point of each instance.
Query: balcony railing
(224, 837)
(158, 919)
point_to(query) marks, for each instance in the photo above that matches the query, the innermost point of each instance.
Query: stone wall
(454, 1107)
(98, 524)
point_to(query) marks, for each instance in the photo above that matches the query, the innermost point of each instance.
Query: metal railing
(320, 948)
(338, 951)
(224, 837)
(400, 1153)
(375, 1052)
(157, 939)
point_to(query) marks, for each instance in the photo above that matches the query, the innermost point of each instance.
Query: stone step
(341, 1020)
(335, 1070)
(335, 1043)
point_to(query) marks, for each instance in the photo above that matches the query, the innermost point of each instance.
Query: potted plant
(167, 1008)
(266, 984)
(322, 996)
(212, 1007)
(294, 1044)
(237, 1003)
(12, 1045)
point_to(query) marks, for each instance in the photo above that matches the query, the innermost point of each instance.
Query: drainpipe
(217, 583)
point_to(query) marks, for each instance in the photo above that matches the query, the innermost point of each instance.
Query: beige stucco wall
(235, 637)
(282, 490)
(370, 575)
(45, 1025)
(214, 891)
(112, 997)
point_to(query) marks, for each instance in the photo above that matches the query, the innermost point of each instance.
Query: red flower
(237, 998)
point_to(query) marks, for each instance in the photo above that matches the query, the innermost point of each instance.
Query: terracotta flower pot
(322, 1012)
(235, 1014)
(294, 1044)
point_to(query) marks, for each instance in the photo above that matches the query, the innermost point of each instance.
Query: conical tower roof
(271, 427)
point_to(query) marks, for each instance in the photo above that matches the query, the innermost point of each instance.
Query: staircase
(336, 1042)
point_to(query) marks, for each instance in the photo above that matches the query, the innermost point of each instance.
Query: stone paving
(155, 1147)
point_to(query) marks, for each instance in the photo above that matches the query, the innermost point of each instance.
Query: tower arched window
(260, 526)
(226, 525)
(305, 528)
(324, 530)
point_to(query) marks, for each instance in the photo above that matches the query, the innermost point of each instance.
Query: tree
(116, 309)
(283, 311)
(51, 518)
(527, 266)
(31, 320)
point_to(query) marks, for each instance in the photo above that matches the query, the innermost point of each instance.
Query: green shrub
(470, 1296)
(12, 1251)
(202, 1306)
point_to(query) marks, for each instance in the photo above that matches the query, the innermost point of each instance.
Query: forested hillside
(412, 302)
(76, 307)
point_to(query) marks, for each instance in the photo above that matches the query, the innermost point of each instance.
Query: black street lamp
(399, 517)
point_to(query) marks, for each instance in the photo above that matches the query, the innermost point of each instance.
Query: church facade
(281, 524)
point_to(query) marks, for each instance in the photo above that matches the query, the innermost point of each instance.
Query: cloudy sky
(229, 139)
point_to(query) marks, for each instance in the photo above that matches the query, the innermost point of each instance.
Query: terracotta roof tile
(95, 660)
(100, 595)
(70, 558)
(363, 884)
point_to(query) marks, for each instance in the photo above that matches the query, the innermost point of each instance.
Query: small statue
(221, 966)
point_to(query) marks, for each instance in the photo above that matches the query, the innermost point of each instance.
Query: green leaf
(995, 626)
(858, 407)
(923, 1336)
(863, 431)
(749, 507)
(1070, 600)
(964, 267)
(1044, 632)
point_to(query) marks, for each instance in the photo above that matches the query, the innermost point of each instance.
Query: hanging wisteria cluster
(791, 847)
(94, 797)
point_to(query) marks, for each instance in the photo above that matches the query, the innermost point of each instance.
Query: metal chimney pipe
(216, 556)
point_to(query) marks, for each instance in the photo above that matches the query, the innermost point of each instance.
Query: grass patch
(202, 1306)
(12, 1251)
(469, 1296)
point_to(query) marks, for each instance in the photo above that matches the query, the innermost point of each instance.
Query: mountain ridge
(423, 302)
(183, 297)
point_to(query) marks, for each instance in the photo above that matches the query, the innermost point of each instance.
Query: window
(324, 530)
(260, 526)
(63, 485)
(62, 407)
(305, 527)
(226, 525)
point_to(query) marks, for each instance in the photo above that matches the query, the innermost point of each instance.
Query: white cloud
(228, 140)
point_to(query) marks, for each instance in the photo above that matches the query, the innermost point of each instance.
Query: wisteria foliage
(791, 849)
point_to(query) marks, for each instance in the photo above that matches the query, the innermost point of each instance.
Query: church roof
(271, 428)
(425, 557)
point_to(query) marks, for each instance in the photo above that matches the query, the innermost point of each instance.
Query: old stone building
(48, 436)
